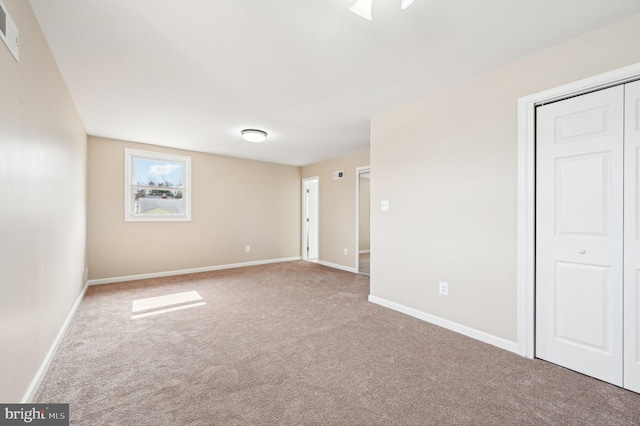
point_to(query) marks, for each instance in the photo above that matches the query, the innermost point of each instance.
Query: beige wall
(235, 203)
(43, 206)
(447, 164)
(365, 214)
(337, 209)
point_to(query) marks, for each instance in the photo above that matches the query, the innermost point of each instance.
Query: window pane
(159, 173)
(163, 187)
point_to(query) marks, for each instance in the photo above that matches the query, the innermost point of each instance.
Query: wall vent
(338, 175)
(3, 21)
(8, 31)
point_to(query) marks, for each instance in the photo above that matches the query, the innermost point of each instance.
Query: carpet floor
(298, 344)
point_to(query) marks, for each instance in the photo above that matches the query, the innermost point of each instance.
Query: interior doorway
(310, 218)
(363, 215)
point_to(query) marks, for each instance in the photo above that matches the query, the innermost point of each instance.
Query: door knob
(581, 251)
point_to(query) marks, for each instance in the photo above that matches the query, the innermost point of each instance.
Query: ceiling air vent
(3, 21)
(8, 31)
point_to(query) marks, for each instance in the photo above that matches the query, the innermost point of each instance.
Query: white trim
(42, 371)
(449, 325)
(129, 216)
(526, 190)
(336, 266)
(188, 271)
(359, 171)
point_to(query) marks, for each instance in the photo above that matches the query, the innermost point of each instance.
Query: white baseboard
(336, 266)
(35, 383)
(364, 251)
(450, 325)
(188, 271)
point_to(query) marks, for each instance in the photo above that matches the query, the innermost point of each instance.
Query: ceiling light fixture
(254, 135)
(363, 8)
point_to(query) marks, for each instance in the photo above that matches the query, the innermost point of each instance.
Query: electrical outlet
(443, 288)
(346, 252)
(247, 248)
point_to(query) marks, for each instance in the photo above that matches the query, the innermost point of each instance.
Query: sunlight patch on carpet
(164, 311)
(162, 304)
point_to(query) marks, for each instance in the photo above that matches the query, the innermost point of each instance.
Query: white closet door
(579, 228)
(632, 239)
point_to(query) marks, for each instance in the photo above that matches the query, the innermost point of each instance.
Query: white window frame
(129, 183)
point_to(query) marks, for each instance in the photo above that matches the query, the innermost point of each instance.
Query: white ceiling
(192, 73)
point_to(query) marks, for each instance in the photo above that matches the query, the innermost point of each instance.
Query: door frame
(526, 191)
(303, 234)
(359, 171)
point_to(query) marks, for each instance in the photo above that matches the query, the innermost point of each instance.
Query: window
(157, 186)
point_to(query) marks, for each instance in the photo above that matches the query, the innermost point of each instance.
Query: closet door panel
(632, 238)
(579, 233)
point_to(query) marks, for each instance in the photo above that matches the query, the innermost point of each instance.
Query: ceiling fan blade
(405, 3)
(363, 8)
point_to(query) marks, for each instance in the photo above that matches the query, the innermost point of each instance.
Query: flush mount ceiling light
(362, 8)
(254, 135)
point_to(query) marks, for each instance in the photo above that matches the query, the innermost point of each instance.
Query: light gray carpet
(298, 344)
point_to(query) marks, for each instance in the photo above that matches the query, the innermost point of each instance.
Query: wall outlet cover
(443, 288)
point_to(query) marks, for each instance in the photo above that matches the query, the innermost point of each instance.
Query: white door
(310, 219)
(632, 238)
(579, 233)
